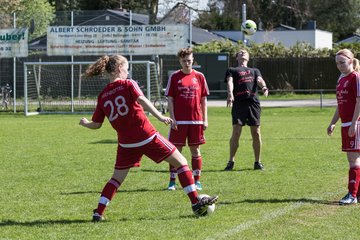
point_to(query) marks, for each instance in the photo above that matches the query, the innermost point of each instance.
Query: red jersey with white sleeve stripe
(347, 90)
(187, 91)
(118, 103)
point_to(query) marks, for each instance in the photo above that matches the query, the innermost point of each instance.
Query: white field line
(267, 217)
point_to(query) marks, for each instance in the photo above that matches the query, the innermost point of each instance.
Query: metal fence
(298, 73)
(280, 74)
(288, 74)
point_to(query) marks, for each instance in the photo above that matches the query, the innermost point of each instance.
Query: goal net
(59, 87)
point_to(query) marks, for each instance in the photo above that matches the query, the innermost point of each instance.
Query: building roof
(201, 36)
(283, 27)
(355, 38)
(234, 36)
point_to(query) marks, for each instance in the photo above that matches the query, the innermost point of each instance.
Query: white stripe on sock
(104, 200)
(190, 188)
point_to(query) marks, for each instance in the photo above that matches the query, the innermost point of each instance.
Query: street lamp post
(243, 20)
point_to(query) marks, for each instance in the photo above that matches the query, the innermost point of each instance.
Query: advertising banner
(13, 42)
(111, 40)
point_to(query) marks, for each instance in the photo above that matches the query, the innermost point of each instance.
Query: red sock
(107, 194)
(187, 182)
(173, 173)
(354, 178)
(196, 163)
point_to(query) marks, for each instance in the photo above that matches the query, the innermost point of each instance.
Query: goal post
(59, 87)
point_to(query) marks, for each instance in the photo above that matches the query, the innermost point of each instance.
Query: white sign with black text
(13, 42)
(110, 40)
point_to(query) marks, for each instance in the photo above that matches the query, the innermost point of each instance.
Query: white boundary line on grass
(267, 217)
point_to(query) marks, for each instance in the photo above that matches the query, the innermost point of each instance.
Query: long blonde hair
(347, 53)
(110, 64)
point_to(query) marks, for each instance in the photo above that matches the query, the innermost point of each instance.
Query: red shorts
(194, 133)
(350, 144)
(157, 150)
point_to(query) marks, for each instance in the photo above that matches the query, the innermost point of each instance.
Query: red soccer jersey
(347, 90)
(187, 91)
(118, 103)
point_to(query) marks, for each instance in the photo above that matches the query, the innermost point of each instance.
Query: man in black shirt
(242, 83)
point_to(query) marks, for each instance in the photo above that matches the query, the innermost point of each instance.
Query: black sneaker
(97, 217)
(229, 166)
(258, 166)
(200, 208)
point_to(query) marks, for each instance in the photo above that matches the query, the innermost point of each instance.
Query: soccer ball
(210, 209)
(248, 27)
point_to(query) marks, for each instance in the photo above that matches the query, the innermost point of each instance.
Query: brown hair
(106, 63)
(347, 53)
(184, 52)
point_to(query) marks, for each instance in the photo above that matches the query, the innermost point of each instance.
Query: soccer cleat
(198, 185)
(97, 217)
(229, 166)
(171, 186)
(348, 199)
(258, 166)
(200, 208)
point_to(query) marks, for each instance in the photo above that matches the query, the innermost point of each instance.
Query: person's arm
(89, 124)
(261, 83)
(230, 88)
(352, 129)
(334, 119)
(204, 111)
(147, 105)
(171, 111)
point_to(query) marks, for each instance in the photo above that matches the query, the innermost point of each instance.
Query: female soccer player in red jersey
(123, 103)
(187, 93)
(348, 110)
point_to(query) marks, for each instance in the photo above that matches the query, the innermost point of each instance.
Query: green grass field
(52, 171)
(296, 96)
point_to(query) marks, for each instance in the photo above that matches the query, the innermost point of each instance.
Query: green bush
(272, 50)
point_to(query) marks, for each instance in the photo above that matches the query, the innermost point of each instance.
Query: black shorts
(246, 112)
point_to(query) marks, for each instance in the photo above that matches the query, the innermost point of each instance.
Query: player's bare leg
(257, 143)
(234, 145)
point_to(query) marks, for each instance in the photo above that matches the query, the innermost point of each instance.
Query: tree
(6, 12)
(38, 11)
(151, 6)
(340, 18)
(343, 19)
(271, 13)
(65, 5)
(216, 19)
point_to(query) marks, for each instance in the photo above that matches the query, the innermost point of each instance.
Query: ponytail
(98, 67)
(356, 64)
(110, 64)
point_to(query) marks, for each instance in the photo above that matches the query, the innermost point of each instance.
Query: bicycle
(161, 103)
(5, 96)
